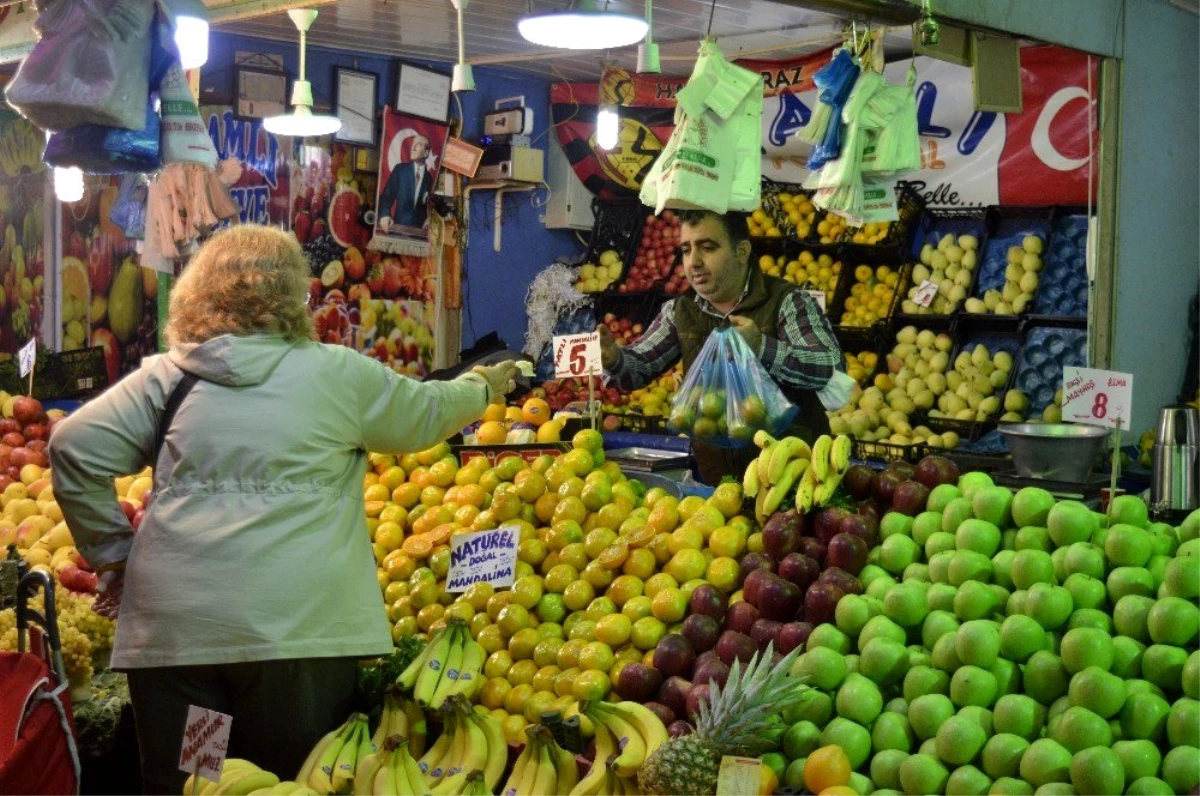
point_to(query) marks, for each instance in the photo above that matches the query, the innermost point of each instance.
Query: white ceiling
(427, 29)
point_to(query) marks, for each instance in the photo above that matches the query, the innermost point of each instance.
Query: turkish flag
(1046, 153)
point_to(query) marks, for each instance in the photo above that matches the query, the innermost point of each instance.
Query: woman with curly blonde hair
(249, 587)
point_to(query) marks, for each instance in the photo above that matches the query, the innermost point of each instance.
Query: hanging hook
(711, 12)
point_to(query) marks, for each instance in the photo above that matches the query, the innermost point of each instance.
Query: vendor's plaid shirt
(804, 352)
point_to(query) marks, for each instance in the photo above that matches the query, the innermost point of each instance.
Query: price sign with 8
(576, 355)
(1097, 397)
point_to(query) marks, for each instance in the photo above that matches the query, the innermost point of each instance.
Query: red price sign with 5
(576, 355)
(1097, 397)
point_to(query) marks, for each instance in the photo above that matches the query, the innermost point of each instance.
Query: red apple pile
(677, 283)
(655, 256)
(624, 331)
(23, 439)
(560, 392)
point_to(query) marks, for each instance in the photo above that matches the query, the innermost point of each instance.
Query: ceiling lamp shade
(584, 27)
(191, 32)
(302, 122)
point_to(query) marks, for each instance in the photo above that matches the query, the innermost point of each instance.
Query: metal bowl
(1054, 451)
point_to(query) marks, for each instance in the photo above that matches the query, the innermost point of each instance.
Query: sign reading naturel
(483, 557)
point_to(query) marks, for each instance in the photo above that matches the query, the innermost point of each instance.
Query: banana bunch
(20, 150)
(470, 741)
(626, 734)
(771, 476)
(401, 717)
(241, 777)
(830, 461)
(392, 771)
(331, 764)
(543, 768)
(452, 663)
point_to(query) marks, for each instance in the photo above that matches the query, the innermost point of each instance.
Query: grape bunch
(85, 635)
(321, 251)
(145, 337)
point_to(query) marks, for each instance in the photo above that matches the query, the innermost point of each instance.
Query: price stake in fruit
(578, 355)
(26, 358)
(739, 775)
(1097, 397)
(483, 557)
(818, 296)
(926, 292)
(205, 744)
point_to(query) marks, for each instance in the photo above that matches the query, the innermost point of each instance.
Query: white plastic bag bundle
(184, 137)
(712, 159)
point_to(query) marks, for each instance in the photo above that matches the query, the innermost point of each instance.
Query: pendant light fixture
(463, 79)
(302, 122)
(648, 61)
(585, 26)
(191, 32)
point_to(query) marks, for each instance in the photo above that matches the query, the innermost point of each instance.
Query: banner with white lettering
(969, 158)
(263, 192)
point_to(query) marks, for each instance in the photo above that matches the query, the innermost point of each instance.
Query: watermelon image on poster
(345, 218)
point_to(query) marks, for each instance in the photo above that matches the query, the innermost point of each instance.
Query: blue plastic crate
(1064, 286)
(1008, 231)
(1046, 352)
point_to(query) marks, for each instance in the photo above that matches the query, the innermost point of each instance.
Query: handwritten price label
(27, 356)
(1097, 397)
(576, 355)
(926, 291)
(819, 297)
(738, 775)
(205, 743)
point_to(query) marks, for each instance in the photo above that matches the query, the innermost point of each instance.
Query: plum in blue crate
(947, 259)
(1046, 352)
(1010, 273)
(1064, 288)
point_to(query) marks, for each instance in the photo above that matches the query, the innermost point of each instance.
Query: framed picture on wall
(422, 92)
(259, 92)
(354, 103)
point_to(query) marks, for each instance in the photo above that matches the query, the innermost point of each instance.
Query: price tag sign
(26, 357)
(739, 776)
(818, 296)
(926, 291)
(1097, 397)
(205, 743)
(483, 557)
(576, 355)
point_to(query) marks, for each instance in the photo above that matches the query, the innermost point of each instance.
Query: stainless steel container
(1174, 485)
(1054, 451)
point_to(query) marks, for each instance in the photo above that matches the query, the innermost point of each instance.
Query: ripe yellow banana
(409, 773)
(546, 775)
(408, 677)
(384, 783)
(521, 778)
(316, 754)
(470, 670)
(763, 465)
(825, 490)
(628, 740)
(434, 755)
(454, 753)
(497, 749)
(763, 440)
(795, 468)
(787, 449)
(804, 492)
(568, 770)
(475, 785)
(240, 783)
(342, 777)
(451, 671)
(474, 750)
(839, 455)
(820, 456)
(321, 777)
(750, 480)
(595, 779)
(643, 720)
(392, 721)
(417, 728)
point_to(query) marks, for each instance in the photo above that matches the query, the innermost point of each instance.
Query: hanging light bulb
(608, 126)
(68, 184)
(302, 121)
(191, 32)
(585, 27)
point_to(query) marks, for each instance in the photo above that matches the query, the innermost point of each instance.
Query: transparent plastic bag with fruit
(728, 396)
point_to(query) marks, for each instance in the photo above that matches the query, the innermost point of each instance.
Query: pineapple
(736, 720)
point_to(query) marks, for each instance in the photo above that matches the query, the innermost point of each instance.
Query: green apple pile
(1022, 266)
(951, 266)
(1012, 645)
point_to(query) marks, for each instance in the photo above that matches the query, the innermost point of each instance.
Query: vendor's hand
(108, 593)
(748, 329)
(501, 379)
(608, 348)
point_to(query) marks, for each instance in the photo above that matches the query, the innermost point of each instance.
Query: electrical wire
(711, 13)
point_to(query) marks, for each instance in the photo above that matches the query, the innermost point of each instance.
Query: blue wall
(1158, 238)
(494, 284)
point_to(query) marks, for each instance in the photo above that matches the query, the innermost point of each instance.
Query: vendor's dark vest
(761, 305)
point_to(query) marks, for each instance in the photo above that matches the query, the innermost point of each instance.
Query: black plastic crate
(618, 226)
(637, 423)
(771, 203)
(888, 451)
(909, 205)
(852, 258)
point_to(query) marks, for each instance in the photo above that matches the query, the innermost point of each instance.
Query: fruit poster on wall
(263, 191)
(22, 196)
(381, 305)
(108, 298)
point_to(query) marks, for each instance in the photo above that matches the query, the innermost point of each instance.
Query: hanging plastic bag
(91, 65)
(128, 210)
(728, 395)
(834, 82)
(898, 146)
(185, 139)
(102, 149)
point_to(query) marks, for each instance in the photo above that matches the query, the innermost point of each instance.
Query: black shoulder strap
(180, 392)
